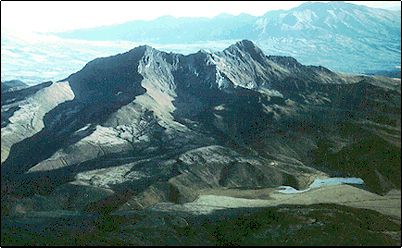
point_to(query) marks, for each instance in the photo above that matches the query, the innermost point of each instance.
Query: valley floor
(208, 201)
(226, 217)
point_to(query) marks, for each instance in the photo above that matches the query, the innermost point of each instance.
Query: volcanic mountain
(146, 127)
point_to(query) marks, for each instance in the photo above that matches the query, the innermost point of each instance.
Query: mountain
(146, 131)
(12, 85)
(390, 73)
(341, 36)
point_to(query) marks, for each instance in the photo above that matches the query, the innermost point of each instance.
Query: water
(322, 182)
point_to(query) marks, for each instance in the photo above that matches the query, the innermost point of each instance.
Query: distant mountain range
(341, 36)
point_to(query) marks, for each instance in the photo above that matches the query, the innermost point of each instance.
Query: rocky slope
(143, 127)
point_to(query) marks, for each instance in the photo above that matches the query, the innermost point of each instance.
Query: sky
(54, 16)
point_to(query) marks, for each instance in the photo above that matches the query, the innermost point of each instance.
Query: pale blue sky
(49, 16)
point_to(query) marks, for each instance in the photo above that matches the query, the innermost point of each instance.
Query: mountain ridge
(333, 35)
(147, 126)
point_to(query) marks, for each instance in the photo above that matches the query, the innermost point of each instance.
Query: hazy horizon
(67, 16)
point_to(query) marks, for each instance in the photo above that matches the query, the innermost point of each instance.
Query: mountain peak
(326, 6)
(248, 47)
(141, 48)
(245, 44)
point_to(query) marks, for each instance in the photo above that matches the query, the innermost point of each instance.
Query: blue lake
(322, 182)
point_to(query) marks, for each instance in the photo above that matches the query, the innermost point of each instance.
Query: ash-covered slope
(146, 126)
